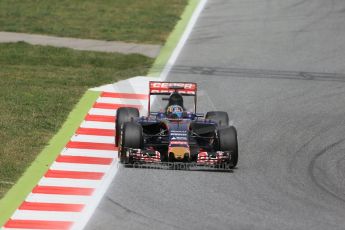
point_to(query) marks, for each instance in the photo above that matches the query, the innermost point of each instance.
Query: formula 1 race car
(175, 134)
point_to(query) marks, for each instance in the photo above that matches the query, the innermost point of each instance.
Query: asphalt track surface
(278, 68)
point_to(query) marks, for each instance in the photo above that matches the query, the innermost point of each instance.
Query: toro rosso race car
(173, 133)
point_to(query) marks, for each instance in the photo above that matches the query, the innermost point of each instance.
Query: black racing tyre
(228, 142)
(124, 114)
(132, 135)
(221, 117)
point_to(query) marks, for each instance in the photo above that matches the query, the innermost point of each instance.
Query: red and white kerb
(65, 194)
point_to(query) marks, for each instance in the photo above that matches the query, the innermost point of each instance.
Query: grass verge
(145, 21)
(33, 174)
(39, 86)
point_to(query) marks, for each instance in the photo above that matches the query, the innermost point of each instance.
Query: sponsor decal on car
(170, 87)
(178, 143)
(179, 138)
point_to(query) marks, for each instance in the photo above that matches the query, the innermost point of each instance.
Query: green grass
(145, 21)
(39, 86)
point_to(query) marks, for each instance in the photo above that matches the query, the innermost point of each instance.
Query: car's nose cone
(179, 152)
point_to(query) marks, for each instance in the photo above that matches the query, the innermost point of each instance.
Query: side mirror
(199, 115)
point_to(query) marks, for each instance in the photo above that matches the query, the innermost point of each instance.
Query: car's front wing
(203, 158)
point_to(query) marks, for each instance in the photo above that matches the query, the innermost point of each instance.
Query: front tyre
(131, 137)
(227, 141)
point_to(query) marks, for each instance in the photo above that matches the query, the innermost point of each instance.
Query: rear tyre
(228, 142)
(220, 117)
(123, 115)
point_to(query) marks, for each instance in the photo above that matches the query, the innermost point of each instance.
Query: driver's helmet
(175, 111)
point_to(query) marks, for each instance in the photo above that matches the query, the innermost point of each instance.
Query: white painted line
(94, 139)
(79, 167)
(64, 182)
(89, 153)
(105, 112)
(45, 215)
(183, 40)
(98, 125)
(62, 199)
(125, 101)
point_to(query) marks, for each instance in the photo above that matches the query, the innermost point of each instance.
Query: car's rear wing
(166, 88)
